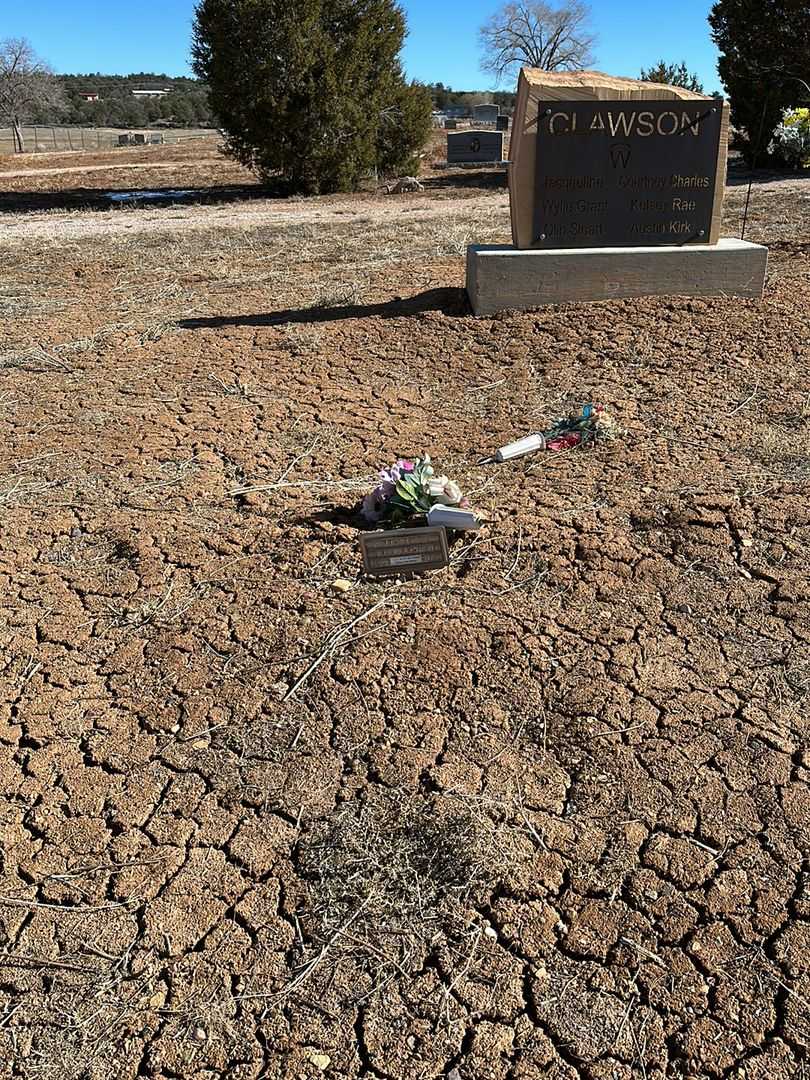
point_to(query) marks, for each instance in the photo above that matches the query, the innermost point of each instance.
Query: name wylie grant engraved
(625, 173)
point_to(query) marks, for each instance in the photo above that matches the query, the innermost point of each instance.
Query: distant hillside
(125, 101)
(146, 97)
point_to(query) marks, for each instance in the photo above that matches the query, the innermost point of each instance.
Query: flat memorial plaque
(625, 173)
(404, 551)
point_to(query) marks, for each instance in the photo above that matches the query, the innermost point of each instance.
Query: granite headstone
(467, 147)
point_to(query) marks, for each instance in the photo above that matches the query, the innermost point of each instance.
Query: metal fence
(49, 140)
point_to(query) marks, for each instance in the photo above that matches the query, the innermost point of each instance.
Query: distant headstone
(156, 140)
(139, 139)
(474, 146)
(123, 140)
(450, 125)
(502, 123)
(485, 114)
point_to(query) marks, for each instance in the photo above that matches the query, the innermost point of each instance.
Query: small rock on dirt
(341, 584)
(320, 1061)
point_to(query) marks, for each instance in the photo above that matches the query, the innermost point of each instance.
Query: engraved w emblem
(620, 155)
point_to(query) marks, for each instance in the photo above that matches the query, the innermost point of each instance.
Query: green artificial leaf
(405, 506)
(406, 492)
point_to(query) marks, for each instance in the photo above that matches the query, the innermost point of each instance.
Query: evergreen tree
(673, 75)
(401, 133)
(309, 92)
(764, 63)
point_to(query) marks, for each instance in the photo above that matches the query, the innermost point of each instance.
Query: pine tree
(306, 92)
(673, 75)
(764, 63)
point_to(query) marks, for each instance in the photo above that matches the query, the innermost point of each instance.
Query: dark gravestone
(625, 173)
(139, 139)
(156, 140)
(474, 146)
(123, 140)
(485, 114)
(450, 125)
(502, 123)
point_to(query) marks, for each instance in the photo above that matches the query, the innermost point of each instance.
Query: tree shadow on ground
(485, 179)
(451, 302)
(739, 175)
(343, 514)
(99, 198)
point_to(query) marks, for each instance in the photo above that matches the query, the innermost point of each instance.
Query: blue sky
(153, 35)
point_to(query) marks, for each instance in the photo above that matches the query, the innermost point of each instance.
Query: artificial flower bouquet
(594, 424)
(407, 488)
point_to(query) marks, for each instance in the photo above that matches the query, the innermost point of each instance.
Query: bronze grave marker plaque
(404, 551)
(623, 173)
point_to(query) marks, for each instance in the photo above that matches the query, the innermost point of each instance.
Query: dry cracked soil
(541, 814)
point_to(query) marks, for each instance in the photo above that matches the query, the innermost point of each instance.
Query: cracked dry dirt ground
(541, 815)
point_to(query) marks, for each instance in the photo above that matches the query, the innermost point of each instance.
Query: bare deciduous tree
(27, 85)
(535, 34)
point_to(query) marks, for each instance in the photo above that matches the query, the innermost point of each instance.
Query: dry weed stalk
(334, 640)
(391, 879)
(35, 359)
(155, 609)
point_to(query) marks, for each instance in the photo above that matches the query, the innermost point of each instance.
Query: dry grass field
(542, 814)
(46, 140)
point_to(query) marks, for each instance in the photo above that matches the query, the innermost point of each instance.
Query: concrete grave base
(504, 278)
